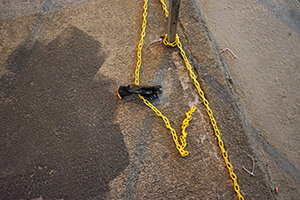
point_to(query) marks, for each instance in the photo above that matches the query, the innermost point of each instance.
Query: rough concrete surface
(65, 134)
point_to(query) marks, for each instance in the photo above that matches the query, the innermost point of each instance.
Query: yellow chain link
(189, 113)
(209, 112)
(185, 124)
(164, 7)
(140, 46)
(165, 41)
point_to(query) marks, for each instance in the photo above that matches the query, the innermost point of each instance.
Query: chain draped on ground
(185, 124)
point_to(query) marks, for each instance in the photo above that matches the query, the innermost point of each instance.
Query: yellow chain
(188, 114)
(164, 7)
(140, 46)
(185, 124)
(209, 112)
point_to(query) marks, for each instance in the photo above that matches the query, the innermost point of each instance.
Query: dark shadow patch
(289, 17)
(15, 63)
(58, 138)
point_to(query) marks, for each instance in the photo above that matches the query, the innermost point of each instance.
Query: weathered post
(173, 19)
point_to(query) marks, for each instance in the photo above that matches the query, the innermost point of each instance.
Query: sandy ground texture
(65, 134)
(265, 35)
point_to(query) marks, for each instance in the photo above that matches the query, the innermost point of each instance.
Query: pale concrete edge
(250, 132)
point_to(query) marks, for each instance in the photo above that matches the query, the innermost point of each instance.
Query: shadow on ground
(58, 138)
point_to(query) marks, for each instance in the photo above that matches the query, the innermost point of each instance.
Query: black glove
(149, 92)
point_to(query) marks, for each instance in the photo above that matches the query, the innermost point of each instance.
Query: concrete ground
(66, 135)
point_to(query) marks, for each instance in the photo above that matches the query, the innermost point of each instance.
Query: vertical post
(173, 19)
